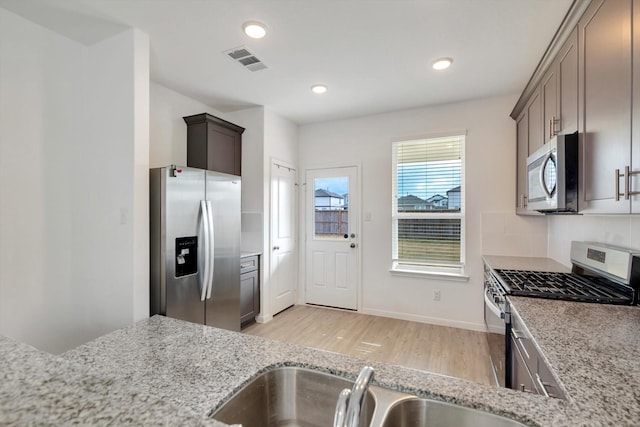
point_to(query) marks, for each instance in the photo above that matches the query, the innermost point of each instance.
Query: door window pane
(331, 201)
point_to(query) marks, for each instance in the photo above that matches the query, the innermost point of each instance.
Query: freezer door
(223, 305)
(184, 243)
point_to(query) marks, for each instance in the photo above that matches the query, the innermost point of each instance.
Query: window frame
(443, 270)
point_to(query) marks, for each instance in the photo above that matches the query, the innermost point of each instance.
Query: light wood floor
(450, 351)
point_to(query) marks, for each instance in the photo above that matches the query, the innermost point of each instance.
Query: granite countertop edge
(179, 372)
(592, 349)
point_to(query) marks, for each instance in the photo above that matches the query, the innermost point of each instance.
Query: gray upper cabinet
(589, 81)
(605, 104)
(552, 108)
(634, 180)
(549, 92)
(559, 90)
(534, 116)
(522, 135)
(529, 139)
(566, 66)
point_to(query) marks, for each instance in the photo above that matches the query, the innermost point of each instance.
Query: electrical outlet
(436, 295)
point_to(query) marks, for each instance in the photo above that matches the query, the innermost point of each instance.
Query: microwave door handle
(205, 225)
(547, 157)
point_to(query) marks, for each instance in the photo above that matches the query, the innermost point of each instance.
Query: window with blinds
(428, 204)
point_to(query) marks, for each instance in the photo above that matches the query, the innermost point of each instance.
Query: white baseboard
(263, 319)
(426, 319)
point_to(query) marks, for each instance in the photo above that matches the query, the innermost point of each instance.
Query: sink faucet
(350, 401)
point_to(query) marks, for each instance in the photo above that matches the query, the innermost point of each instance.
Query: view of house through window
(428, 202)
(331, 207)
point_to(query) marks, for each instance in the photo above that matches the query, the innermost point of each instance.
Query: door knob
(276, 248)
(353, 245)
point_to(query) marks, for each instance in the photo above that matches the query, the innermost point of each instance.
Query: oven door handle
(490, 304)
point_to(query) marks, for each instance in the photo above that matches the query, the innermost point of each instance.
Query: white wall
(74, 200)
(37, 137)
(168, 131)
(140, 215)
(490, 190)
(253, 217)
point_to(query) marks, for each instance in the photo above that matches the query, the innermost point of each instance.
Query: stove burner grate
(566, 286)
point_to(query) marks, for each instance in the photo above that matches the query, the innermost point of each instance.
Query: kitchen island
(166, 371)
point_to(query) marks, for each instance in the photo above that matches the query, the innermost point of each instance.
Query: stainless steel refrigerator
(195, 245)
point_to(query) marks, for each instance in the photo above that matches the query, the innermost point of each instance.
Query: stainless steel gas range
(600, 274)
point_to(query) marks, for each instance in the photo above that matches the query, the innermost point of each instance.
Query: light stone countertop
(37, 388)
(594, 349)
(166, 371)
(246, 254)
(198, 367)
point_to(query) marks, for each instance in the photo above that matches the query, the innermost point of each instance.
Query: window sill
(455, 275)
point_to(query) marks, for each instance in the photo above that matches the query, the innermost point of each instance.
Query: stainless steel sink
(289, 396)
(425, 412)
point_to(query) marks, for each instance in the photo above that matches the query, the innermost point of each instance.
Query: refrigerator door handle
(211, 256)
(207, 227)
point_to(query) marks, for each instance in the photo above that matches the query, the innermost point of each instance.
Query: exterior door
(284, 273)
(332, 245)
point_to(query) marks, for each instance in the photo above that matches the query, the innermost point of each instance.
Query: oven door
(497, 331)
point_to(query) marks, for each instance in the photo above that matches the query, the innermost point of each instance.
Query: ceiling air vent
(244, 57)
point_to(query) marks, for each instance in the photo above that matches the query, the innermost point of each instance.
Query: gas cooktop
(600, 273)
(566, 286)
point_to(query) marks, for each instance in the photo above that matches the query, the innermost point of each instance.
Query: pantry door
(284, 272)
(332, 240)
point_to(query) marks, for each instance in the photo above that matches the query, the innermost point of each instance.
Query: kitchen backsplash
(504, 233)
(251, 232)
(618, 230)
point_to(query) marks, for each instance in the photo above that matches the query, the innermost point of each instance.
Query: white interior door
(283, 269)
(332, 244)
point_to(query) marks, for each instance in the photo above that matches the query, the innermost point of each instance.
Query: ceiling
(374, 55)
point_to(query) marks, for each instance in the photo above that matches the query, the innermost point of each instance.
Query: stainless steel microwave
(552, 176)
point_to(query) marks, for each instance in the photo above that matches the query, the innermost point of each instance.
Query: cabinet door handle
(627, 183)
(627, 179)
(553, 124)
(628, 173)
(618, 185)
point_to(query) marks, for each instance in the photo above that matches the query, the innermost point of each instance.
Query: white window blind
(428, 204)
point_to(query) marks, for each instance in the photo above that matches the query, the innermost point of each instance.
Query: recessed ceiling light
(319, 88)
(442, 63)
(254, 29)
